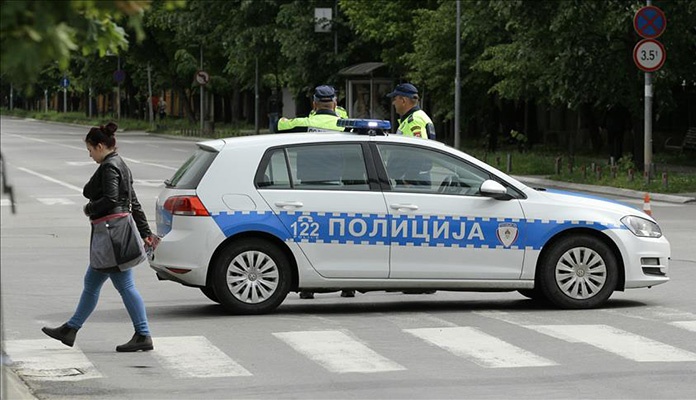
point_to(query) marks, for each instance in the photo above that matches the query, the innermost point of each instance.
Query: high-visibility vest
(416, 123)
(321, 120)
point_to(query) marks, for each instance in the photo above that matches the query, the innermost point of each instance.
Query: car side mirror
(493, 189)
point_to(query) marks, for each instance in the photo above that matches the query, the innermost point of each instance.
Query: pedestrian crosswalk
(498, 340)
(337, 351)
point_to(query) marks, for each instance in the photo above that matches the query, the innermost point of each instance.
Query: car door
(323, 195)
(441, 227)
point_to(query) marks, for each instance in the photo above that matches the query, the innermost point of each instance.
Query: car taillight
(186, 205)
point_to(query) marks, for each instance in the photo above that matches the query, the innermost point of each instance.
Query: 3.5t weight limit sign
(649, 55)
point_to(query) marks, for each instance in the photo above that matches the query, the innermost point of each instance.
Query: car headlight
(641, 226)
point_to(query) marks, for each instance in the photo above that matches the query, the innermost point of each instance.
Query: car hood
(586, 201)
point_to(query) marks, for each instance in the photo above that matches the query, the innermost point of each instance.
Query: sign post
(64, 83)
(649, 55)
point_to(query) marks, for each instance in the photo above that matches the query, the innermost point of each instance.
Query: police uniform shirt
(321, 120)
(416, 123)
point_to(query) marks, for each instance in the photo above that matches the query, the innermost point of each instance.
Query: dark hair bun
(110, 129)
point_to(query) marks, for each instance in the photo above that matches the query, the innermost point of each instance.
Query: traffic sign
(650, 22)
(64, 82)
(119, 76)
(202, 78)
(649, 55)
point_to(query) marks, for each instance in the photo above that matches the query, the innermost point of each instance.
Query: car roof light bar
(370, 127)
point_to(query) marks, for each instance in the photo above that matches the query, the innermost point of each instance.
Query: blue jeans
(124, 283)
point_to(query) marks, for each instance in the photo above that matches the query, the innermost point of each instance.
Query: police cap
(324, 93)
(406, 90)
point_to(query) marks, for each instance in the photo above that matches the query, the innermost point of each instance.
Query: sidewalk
(13, 388)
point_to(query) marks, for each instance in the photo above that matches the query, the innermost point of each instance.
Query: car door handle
(289, 204)
(404, 207)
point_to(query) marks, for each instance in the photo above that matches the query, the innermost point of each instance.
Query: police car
(250, 219)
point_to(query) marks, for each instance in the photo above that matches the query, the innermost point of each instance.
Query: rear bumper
(184, 253)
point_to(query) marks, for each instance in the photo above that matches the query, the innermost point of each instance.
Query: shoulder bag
(115, 241)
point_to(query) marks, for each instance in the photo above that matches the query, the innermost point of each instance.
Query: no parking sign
(649, 54)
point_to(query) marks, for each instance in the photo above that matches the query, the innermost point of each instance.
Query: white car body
(383, 237)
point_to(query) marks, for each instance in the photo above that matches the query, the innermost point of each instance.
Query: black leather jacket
(107, 192)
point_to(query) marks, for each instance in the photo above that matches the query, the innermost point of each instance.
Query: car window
(421, 170)
(191, 172)
(276, 173)
(325, 166)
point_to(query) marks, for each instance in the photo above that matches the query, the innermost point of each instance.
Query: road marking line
(51, 201)
(656, 313)
(688, 325)
(48, 178)
(83, 149)
(480, 348)
(49, 360)
(337, 352)
(5, 203)
(195, 357)
(132, 160)
(625, 344)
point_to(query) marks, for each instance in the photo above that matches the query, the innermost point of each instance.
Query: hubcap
(581, 273)
(252, 277)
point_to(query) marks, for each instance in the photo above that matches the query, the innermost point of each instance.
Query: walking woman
(110, 191)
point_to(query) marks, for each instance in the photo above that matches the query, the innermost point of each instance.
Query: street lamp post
(201, 92)
(118, 93)
(457, 94)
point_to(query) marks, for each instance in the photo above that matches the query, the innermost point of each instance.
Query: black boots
(137, 342)
(64, 333)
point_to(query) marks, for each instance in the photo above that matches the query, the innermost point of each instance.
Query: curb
(14, 387)
(669, 198)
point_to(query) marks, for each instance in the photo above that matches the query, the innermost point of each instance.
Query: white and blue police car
(250, 219)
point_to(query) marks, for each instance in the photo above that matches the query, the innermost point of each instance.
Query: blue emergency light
(370, 127)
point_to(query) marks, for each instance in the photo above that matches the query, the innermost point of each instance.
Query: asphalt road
(376, 345)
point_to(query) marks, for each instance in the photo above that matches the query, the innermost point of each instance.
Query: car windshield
(190, 173)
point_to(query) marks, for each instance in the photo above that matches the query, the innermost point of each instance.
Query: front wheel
(251, 276)
(578, 272)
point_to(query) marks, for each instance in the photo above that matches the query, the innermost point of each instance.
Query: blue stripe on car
(379, 229)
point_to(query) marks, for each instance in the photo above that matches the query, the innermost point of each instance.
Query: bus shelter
(366, 92)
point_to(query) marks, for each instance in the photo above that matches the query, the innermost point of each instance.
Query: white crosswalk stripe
(625, 344)
(195, 357)
(688, 325)
(480, 348)
(49, 360)
(338, 352)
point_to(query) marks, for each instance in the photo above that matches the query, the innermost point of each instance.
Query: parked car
(250, 219)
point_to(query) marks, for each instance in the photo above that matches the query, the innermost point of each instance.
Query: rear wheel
(210, 293)
(578, 272)
(534, 294)
(251, 276)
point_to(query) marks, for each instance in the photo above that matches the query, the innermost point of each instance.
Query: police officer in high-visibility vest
(413, 121)
(323, 118)
(342, 113)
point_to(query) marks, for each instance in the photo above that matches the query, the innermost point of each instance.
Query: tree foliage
(566, 53)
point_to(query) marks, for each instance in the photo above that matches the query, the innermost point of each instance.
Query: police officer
(342, 112)
(413, 121)
(322, 118)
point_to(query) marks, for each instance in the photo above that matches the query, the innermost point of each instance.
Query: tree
(36, 33)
